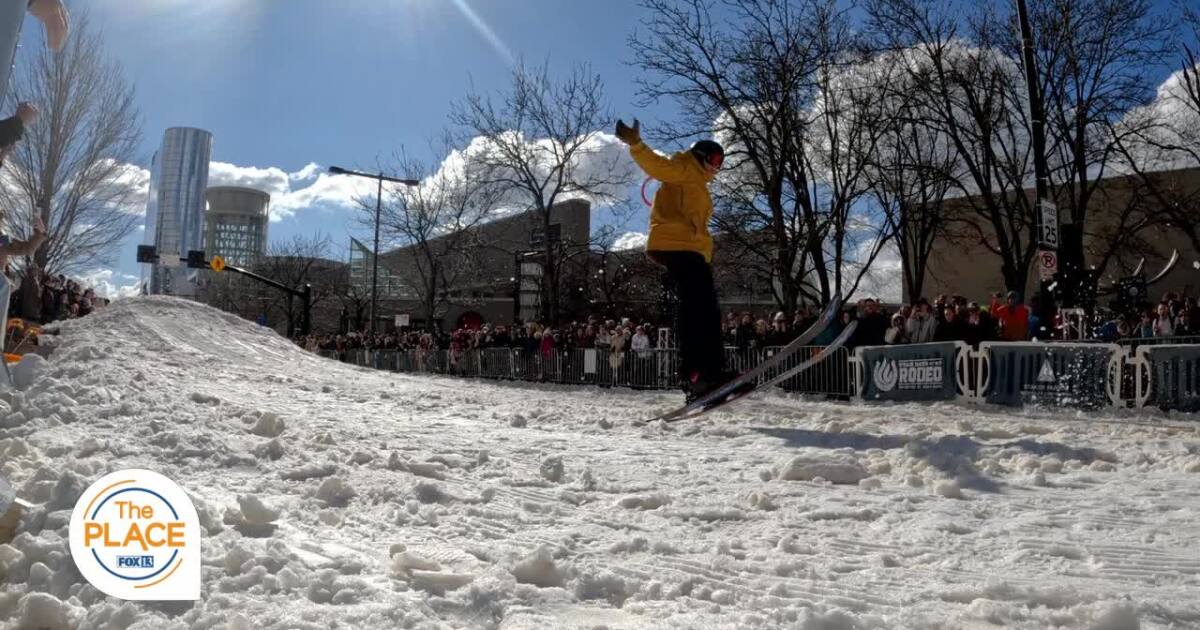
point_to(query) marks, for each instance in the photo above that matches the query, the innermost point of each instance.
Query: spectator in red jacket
(1012, 317)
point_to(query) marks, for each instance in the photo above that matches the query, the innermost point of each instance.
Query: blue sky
(284, 84)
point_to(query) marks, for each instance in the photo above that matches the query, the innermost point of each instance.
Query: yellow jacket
(682, 205)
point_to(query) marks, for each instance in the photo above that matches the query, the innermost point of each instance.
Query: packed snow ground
(339, 497)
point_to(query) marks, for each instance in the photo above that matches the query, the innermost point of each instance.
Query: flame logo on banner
(886, 374)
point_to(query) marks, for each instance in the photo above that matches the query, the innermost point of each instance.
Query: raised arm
(661, 168)
(54, 16)
(26, 247)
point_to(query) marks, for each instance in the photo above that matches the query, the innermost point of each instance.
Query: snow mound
(306, 473)
(254, 512)
(44, 612)
(538, 569)
(830, 466)
(27, 370)
(269, 425)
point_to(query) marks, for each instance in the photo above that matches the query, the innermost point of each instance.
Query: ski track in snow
(428, 502)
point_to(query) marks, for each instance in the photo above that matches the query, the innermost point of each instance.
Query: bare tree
(1155, 139)
(614, 279)
(355, 302)
(540, 141)
(295, 263)
(435, 224)
(1189, 78)
(1091, 58)
(973, 94)
(911, 176)
(74, 166)
(775, 81)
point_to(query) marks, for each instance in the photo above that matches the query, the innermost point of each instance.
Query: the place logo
(891, 374)
(134, 535)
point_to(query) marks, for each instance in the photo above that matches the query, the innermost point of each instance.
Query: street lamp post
(380, 178)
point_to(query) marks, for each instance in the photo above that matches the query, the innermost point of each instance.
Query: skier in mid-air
(679, 241)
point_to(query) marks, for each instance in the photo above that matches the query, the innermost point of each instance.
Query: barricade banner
(1168, 376)
(1065, 375)
(917, 372)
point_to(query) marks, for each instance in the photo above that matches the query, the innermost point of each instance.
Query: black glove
(629, 135)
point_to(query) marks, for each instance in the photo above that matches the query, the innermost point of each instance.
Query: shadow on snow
(954, 455)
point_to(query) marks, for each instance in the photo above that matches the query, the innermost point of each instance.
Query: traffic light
(147, 254)
(195, 259)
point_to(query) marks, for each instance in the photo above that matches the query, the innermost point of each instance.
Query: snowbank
(336, 496)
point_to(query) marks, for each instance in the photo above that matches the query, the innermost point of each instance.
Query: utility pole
(1047, 212)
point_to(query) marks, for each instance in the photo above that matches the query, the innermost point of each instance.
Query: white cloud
(602, 156)
(108, 284)
(305, 174)
(336, 191)
(630, 240)
(271, 180)
(1167, 130)
(131, 185)
(884, 280)
(322, 189)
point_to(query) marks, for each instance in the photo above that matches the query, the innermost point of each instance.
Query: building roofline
(185, 128)
(512, 217)
(239, 189)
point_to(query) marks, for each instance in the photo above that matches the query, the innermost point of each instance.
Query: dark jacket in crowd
(780, 337)
(951, 330)
(871, 329)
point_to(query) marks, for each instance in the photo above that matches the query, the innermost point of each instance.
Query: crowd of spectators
(64, 298)
(948, 318)
(61, 298)
(1173, 316)
(611, 334)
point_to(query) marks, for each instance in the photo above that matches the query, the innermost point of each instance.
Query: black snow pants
(697, 314)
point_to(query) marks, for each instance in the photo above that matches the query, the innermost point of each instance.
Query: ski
(827, 316)
(808, 363)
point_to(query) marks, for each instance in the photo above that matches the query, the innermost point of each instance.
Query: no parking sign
(1047, 264)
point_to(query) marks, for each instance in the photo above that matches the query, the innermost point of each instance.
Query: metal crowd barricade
(830, 377)
(384, 359)
(913, 372)
(495, 363)
(655, 368)
(1168, 376)
(619, 365)
(570, 366)
(1137, 342)
(1159, 371)
(742, 359)
(1070, 375)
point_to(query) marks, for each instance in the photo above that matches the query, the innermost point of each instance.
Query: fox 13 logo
(134, 535)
